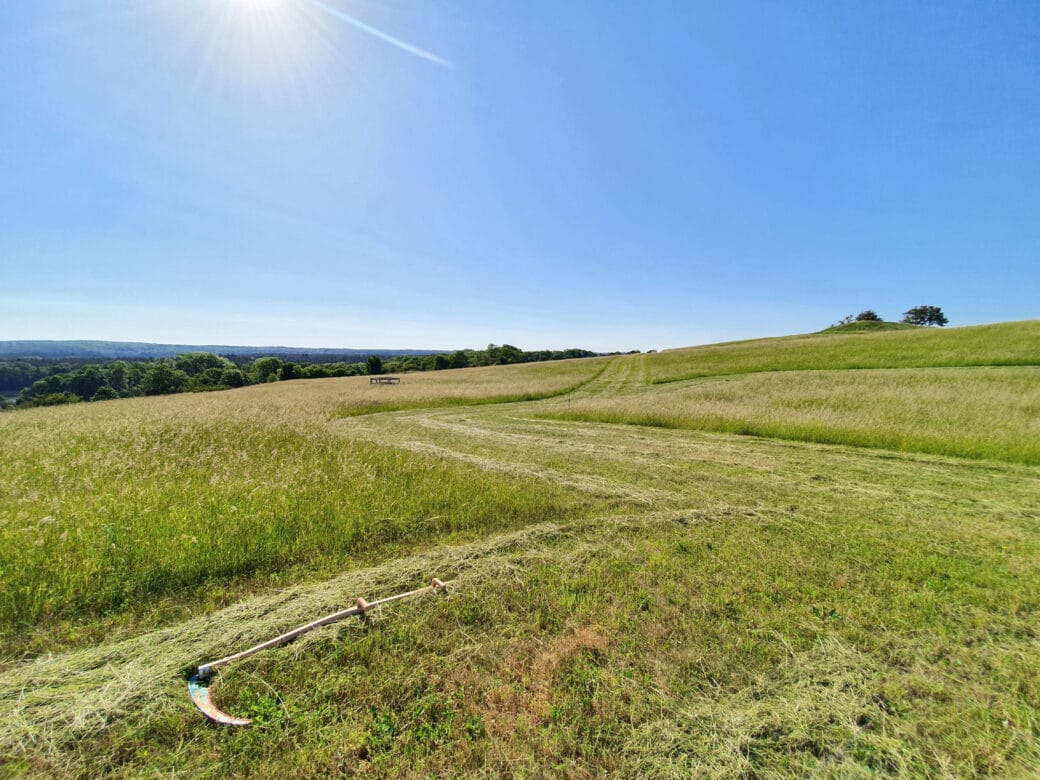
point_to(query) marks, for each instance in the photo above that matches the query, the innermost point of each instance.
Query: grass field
(1003, 344)
(663, 597)
(968, 412)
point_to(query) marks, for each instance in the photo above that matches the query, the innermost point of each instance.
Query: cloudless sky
(449, 173)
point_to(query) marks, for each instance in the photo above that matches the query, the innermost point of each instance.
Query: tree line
(918, 315)
(205, 371)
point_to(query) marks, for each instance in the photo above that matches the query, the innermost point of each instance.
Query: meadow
(109, 507)
(967, 412)
(850, 347)
(642, 588)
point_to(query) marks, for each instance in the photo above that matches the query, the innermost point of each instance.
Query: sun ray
(376, 33)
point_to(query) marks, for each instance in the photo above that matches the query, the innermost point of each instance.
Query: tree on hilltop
(867, 316)
(925, 315)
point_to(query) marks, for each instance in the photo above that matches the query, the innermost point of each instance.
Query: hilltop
(869, 326)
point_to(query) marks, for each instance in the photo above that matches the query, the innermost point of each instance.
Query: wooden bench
(384, 380)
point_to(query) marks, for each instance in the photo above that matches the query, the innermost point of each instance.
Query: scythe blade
(198, 685)
(200, 696)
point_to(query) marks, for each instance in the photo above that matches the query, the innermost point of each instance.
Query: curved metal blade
(199, 690)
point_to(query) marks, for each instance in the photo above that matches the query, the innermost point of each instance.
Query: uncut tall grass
(968, 412)
(108, 504)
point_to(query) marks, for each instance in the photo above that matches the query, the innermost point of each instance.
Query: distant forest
(94, 351)
(49, 382)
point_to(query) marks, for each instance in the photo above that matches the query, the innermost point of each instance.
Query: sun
(247, 47)
(257, 3)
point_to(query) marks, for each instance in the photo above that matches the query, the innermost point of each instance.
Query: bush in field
(925, 315)
(374, 365)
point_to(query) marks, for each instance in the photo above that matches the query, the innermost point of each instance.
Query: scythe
(198, 685)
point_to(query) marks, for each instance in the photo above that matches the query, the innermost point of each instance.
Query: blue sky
(451, 173)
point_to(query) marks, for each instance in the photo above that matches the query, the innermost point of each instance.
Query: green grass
(1004, 344)
(209, 504)
(869, 326)
(821, 610)
(964, 412)
(631, 600)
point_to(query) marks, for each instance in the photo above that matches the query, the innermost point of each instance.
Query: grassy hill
(1003, 344)
(869, 326)
(642, 588)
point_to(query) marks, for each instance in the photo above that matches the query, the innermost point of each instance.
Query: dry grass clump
(809, 714)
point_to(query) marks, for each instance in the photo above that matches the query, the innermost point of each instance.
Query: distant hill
(135, 350)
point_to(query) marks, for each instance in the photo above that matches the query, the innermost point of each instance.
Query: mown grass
(965, 412)
(473, 386)
(843, 614)
(1003, 344)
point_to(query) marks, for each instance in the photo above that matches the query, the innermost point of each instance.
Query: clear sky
(448, 173)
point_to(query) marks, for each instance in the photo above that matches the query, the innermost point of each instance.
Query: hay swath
(198, 685)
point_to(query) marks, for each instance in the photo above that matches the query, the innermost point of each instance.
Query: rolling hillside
(814, 555)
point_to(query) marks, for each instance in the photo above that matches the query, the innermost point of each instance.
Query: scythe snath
(198, 685)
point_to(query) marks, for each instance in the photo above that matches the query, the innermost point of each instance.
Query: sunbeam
(387, 38)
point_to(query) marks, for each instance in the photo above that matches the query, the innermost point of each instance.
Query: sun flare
(249, 46)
